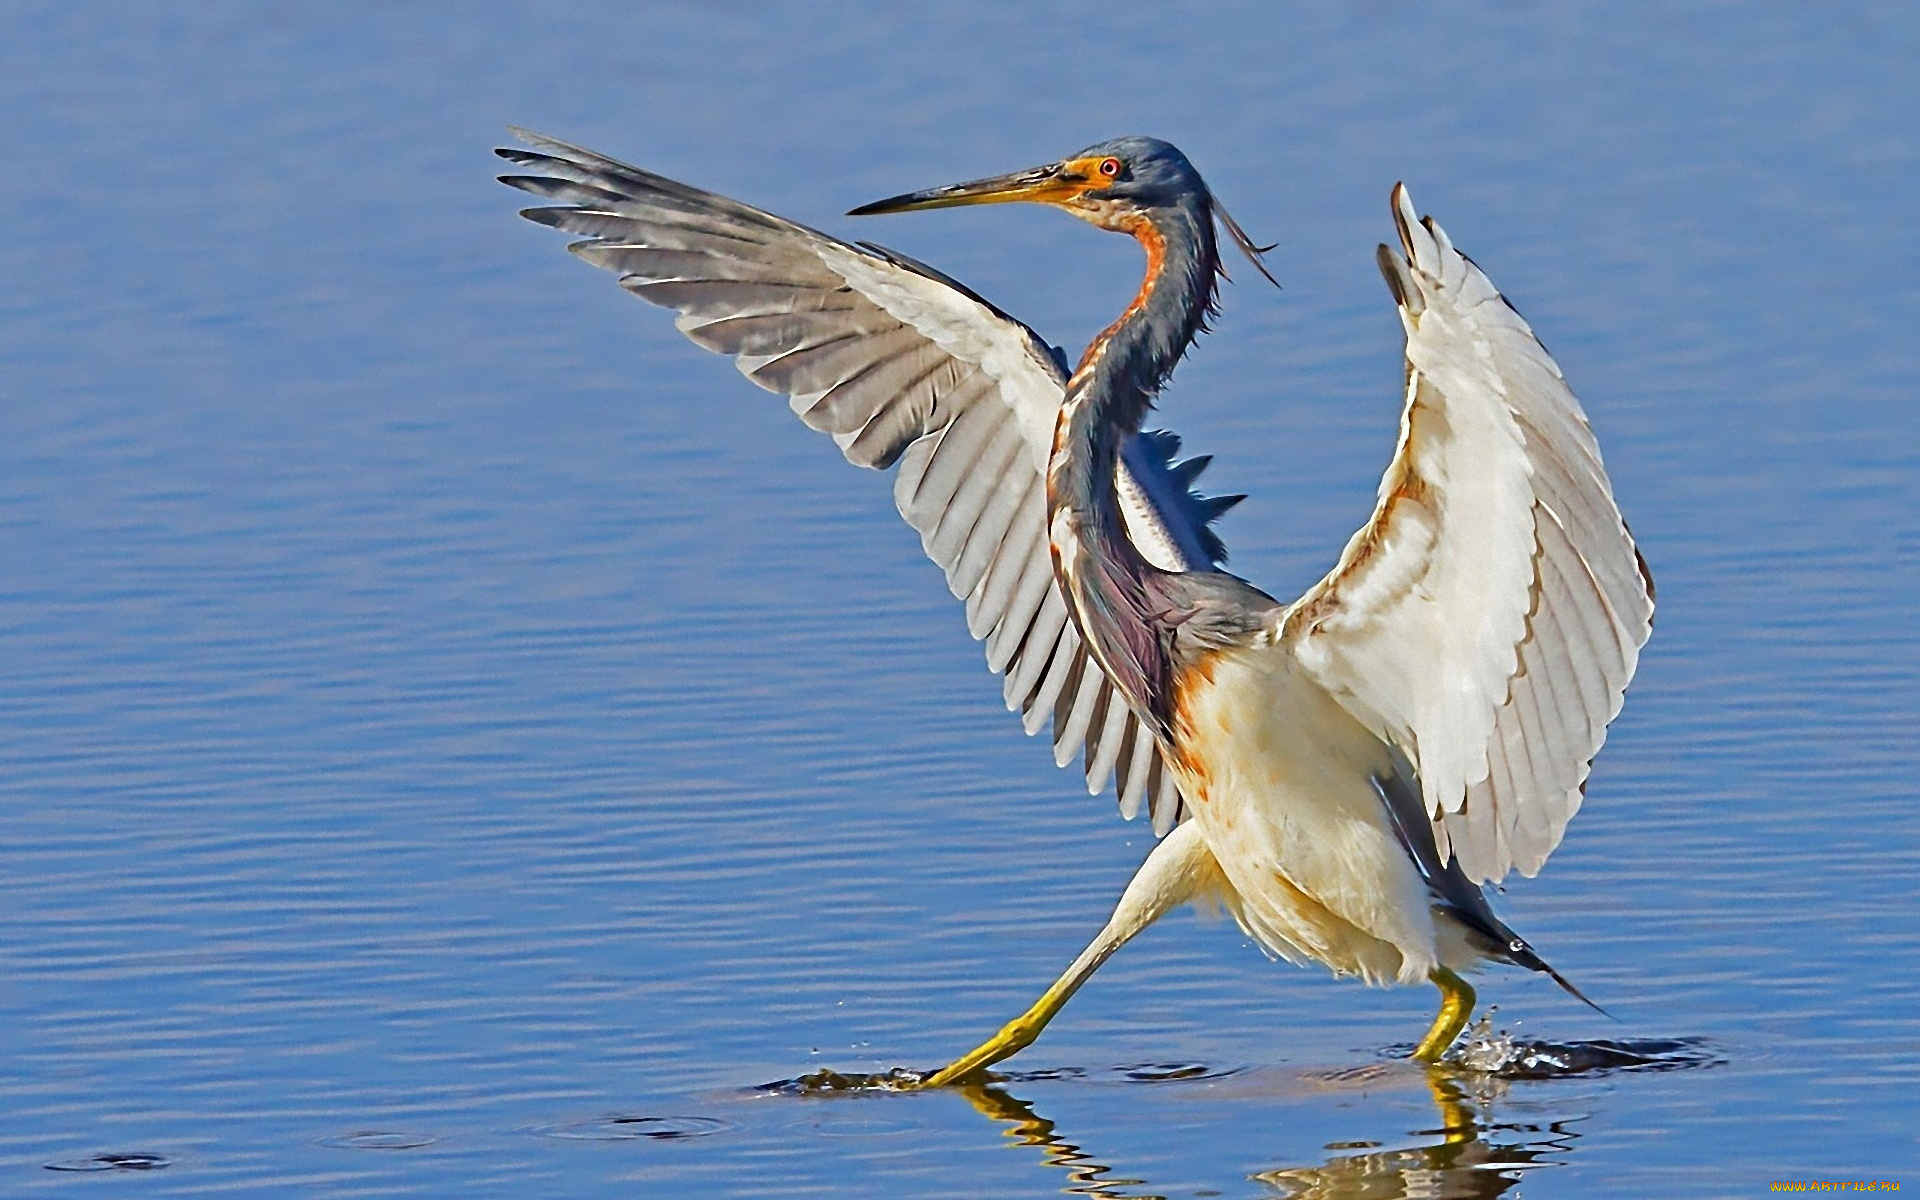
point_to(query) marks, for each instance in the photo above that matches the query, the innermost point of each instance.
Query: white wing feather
(1488, 618)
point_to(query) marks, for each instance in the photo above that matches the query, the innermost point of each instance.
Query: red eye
(1110, 167)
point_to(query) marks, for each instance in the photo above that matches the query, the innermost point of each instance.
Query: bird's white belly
(1280, 779)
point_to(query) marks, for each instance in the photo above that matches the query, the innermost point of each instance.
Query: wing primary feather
(1106, 741)
(1018, 621)
(1006, 554)
(1168, 805)
(980, 506)
(1073, 711)
(1136, 768)
(1024, 598)
(1046, 660)
(1063, 665)
(1394, 270)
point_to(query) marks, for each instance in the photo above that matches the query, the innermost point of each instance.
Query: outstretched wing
(1487, 619)
(902, 365)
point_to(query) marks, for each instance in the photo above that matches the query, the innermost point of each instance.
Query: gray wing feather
(1103, 752)
(903, 366)
(1047, 654)
(1136, 769)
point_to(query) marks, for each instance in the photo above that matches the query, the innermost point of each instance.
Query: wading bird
(1341, 773)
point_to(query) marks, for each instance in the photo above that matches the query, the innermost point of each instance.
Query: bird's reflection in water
(1471, 1159)
(1468, 1158)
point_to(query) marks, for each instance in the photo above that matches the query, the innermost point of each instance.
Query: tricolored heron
(1342, 773)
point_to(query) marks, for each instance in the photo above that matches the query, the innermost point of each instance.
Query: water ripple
(627, 1127)
(112, 1162)
(371, 1139)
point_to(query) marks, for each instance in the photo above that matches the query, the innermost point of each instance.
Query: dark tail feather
(1515, 950)
(1459, 895)
(1576, 993)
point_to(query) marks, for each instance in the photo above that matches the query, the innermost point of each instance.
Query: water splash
(1486, 1051)
(828, 1082)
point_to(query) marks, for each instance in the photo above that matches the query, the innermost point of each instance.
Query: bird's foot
(1456, 1008)
(1013, 1037)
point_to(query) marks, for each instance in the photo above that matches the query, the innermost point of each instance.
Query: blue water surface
(459, 739)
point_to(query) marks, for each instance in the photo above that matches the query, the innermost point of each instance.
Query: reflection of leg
(1179, 868)
(1457, 1123)
(1029, 1128)
(1456, 1006)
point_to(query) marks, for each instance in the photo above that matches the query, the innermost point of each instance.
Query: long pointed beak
(1049, 184)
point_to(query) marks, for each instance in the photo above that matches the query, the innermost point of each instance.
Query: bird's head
(1114, 180)
(1113, 184)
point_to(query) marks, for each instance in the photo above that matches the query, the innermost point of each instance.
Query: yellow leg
(1456, 1008)
(1016, 1035)
(1180, 867)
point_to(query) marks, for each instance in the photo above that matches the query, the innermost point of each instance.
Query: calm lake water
(461, 740)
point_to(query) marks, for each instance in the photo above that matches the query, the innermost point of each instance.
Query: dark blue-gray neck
(1108, 584)
(1125, 367)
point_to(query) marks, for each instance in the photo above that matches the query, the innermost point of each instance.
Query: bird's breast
(1281, 780)
(1249, 718)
